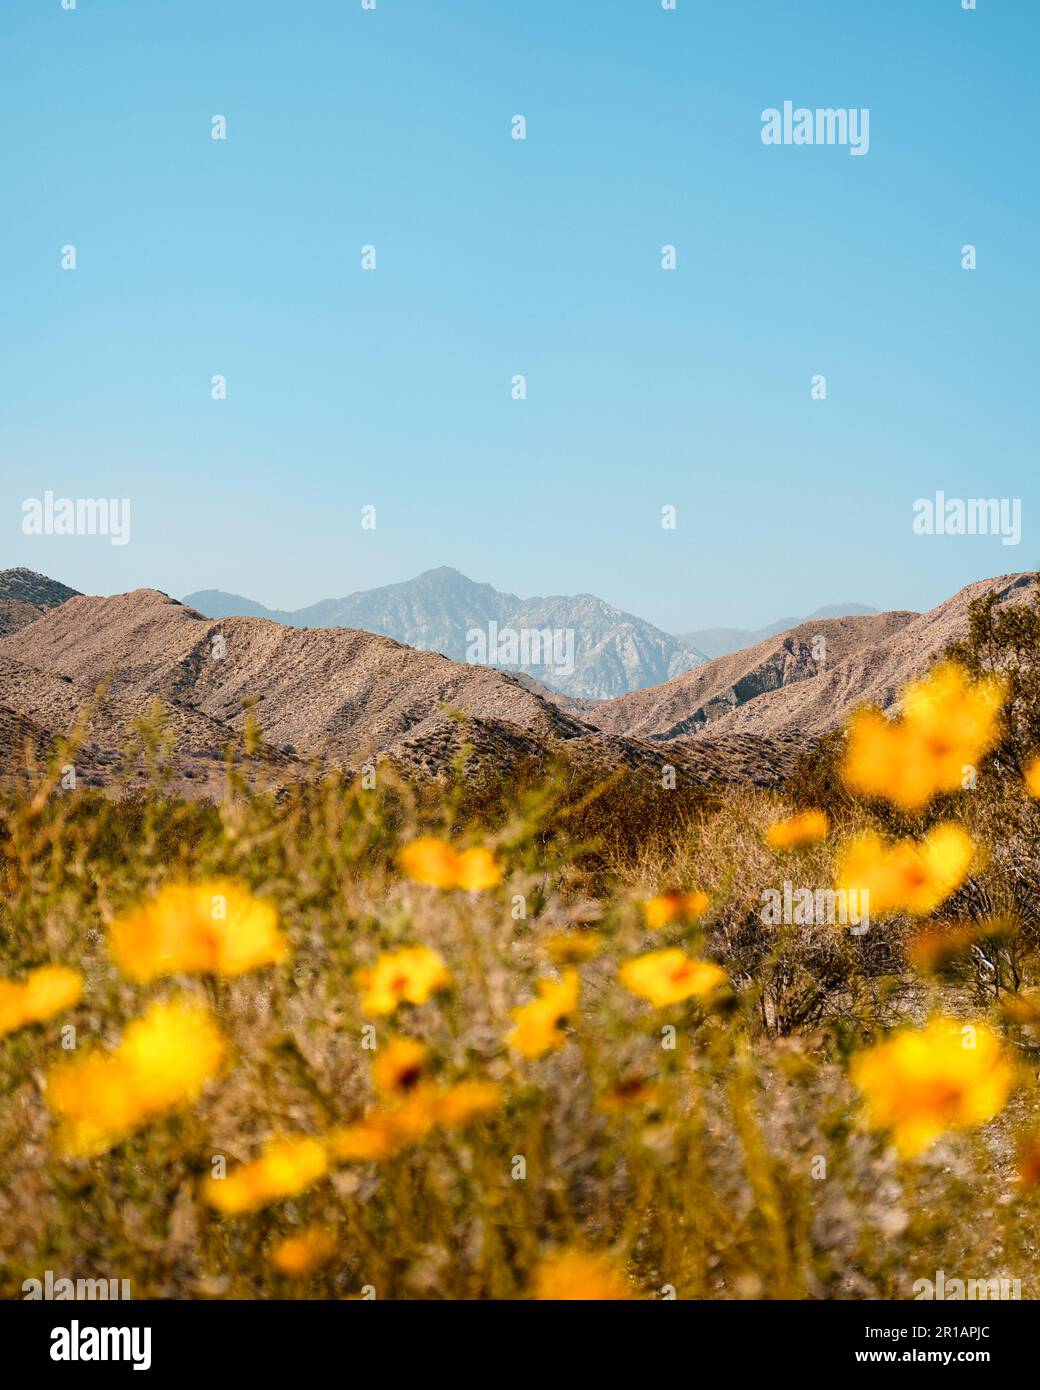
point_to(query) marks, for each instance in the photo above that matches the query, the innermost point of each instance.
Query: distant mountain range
(719, 641)
(596, 651)
(614, 653)
(337, 697)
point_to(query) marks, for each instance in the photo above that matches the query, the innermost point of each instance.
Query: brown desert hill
(697, 699)
(19, 733)
(336, 694)
(333, 697)
(26, 595)
(46, 706)
(870, 676)
(778, 689)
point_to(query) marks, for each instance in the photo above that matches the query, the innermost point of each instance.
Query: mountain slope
(339, 694)
(719, 641)
(49, 705)
(700, 697)
(324, 698)
(778, 689)
(600, 650)
(873, 674)
(25, 595)
(328, 698)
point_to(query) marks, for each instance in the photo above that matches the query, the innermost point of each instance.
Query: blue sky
(646, 387)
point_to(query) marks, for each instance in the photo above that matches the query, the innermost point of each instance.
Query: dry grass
(733, 1164)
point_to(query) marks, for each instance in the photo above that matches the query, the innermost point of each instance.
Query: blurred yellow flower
(806, 828)
(433, 861)
(43, 993)
(920, 1083)
(478, 868)
(387, 1129)
(368, 1140)
(409, 975)
(578, 1275)
(669, 976)
(1032, 778)
(955, 710)
(286, 1167)
(302, 1254)
(572, 947)
(947, 723)
(399, 1065)
(164, 1061)
(912, 876)
(429, 860)
(214, 927)
(539, 1024)
(675, 907)
(459, 1105)
(936, 951)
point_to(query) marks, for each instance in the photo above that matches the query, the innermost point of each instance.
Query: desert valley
(338, 968)
(339, 697)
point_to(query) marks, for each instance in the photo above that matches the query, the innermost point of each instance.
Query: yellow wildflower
(478, 869)
(806, 828)
(429, 860)
(164, 1061)
(387, 1129)
(538, 1024)
(936, 951)
(459, 1105)
(573, 947)
(399, 1065)
(914, 876)
(578, 1275)
(44, 992)
(302, 1254)
(287, 1167)
(368, 1140)
(433, 861)
(947, 723)
(920, 1083)
(670, 976)
(409, 975)
(674, 906)
(1032, 776)
(214, 927)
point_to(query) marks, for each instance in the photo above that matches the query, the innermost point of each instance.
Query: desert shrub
(444, 1000)
(1005, 638)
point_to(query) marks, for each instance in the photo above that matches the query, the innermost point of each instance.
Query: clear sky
(496, 256)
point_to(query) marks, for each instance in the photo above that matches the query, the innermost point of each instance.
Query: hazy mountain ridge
(325, 698)
(720, 641)
(613, 652)
(328, 698)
